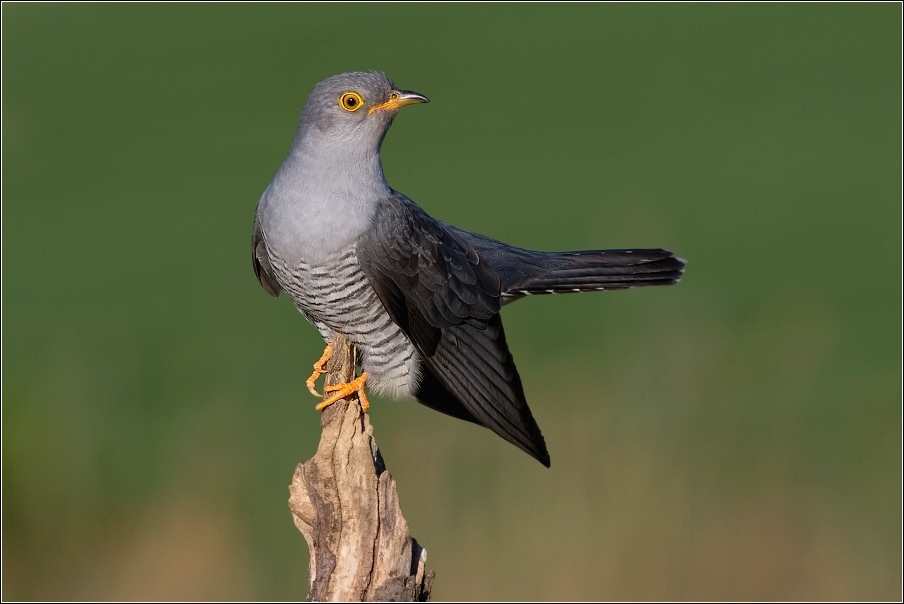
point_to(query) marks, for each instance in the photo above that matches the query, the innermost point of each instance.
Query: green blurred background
(737, 436)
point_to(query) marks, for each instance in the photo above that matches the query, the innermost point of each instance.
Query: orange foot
(319, 369)
(343, 390)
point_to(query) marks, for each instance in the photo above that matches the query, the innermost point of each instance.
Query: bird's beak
(398, 99)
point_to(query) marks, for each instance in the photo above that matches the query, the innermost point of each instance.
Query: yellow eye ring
(351, 101)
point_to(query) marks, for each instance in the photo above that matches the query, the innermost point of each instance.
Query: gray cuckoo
(419, 298)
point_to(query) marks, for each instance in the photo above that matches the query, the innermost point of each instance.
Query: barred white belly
(335, 296)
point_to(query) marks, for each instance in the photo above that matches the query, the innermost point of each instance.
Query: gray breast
(335, 296)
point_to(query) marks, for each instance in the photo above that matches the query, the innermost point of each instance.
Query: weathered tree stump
(345, 504)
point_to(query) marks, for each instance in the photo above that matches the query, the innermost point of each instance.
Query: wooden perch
(345, 504)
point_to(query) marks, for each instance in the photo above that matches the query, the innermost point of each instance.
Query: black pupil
(350, 101)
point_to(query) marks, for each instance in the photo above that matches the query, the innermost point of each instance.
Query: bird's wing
(446, 298)
(427, 278)
(261, 262)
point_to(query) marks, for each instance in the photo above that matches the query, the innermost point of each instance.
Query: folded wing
(446, 298)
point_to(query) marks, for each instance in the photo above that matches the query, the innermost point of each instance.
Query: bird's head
(355, 108)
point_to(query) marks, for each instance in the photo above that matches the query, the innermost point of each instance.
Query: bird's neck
(323, 198)
(339, 168)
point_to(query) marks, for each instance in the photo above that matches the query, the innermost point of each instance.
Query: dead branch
(345, 504)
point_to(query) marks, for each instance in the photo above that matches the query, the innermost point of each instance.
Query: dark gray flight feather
(445, 297)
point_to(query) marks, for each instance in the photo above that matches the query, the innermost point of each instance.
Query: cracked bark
(345, 504)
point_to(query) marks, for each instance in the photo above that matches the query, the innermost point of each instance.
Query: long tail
(527, 272)
(566, 272)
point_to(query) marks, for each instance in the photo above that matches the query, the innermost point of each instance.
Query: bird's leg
(343, 390)
(319, 369)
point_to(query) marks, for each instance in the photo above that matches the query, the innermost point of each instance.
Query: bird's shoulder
(396, 214)
(427, 276)
(413, 244)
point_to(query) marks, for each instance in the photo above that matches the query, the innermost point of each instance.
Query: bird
(419, 298)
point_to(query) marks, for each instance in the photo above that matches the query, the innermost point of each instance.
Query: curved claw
(319, 369)
(343, 390)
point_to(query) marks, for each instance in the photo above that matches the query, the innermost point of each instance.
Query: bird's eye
(351, 101)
